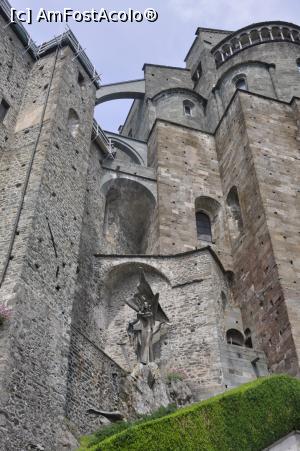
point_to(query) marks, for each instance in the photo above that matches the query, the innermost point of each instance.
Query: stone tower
(200, 189)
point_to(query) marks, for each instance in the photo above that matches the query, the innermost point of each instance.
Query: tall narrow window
(80, 79)
(241, 84)
(203, 227)
(197, 74)
(298, 64)
(73, 123)
(188, 107)
(235, 215)
(248, 339)
(4, 107)
(187, 110)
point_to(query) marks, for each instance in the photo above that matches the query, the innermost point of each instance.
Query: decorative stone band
(254, 35)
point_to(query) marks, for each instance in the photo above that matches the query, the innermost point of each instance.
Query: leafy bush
(247, 418)
(88, 442)
(175, 376)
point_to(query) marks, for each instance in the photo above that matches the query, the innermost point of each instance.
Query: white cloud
(232, 14)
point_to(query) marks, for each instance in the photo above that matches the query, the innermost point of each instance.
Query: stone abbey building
(200, 189)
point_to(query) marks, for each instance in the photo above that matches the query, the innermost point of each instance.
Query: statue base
(147, 390)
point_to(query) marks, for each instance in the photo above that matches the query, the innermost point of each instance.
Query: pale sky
(119, 50)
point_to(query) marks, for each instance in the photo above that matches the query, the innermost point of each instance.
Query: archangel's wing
(154, 305)
(160, 315)
(133, 303)
(144, 288)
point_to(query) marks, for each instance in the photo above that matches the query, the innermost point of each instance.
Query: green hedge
(249, 417)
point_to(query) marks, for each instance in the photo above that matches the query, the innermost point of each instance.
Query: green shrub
(88, 442)
(247, 418)
(174, 376)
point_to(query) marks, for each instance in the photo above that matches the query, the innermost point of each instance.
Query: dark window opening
(298, 64)
(203, 227)
(248, 339)
(255, 367)
(130, 133)
(187, 110)
(4, 107)
(241, 84)
(188, 107)
(235, 209)
(235, 337)
(197, 74)
(80, 79)
(73, 123)
(224, 300)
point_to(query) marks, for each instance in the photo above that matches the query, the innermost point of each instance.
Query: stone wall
(276, 158)
(187, 170)
(258, 285)
(94, 382)
(45, 251)
(241, 365)
(78, 227)
(270, 69)
(14, 70)
(189, 286)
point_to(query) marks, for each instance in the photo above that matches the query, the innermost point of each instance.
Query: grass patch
(247, 418)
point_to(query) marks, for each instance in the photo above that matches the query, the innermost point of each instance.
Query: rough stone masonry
(200, 189)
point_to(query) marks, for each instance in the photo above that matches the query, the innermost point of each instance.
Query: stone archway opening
(128, 217)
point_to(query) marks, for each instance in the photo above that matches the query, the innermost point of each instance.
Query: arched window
(218, 58)
(4, 107)
(224, 300)
(276, 33)
(296, 35)
(240, 83)
(233, 203)
(286, 33)
(254, 36)
(265, 34)
(226, 49)
(235, 44)
(73, 122)
(235, 337)
(244, 40)
(188, 107)
(203, 227)
(197, 74)
(248, 339)
(80, 79)
(298, 64)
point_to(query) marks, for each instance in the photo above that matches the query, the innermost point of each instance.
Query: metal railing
(104, 142)
(5, 7)
(66, 38)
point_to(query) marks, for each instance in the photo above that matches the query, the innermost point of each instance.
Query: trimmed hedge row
(247, 418)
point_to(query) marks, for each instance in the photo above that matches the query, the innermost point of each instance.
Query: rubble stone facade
(201, 189)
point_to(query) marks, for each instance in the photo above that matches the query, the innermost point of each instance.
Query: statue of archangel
(143, 329)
